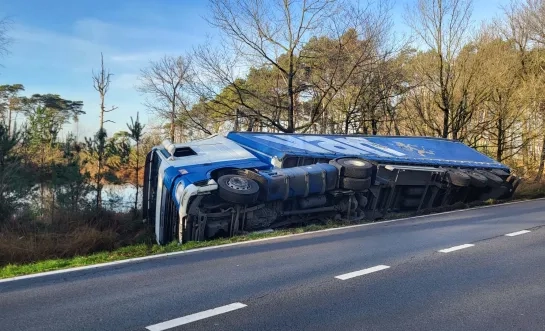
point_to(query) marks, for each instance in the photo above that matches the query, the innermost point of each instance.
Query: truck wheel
(500, 173)
(237, 189)
(495, 193)
(458, 178)
(477, 179)
(355, 184)
(354, 167)
(493, 180)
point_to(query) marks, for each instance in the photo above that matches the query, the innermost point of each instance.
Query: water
(120, 197)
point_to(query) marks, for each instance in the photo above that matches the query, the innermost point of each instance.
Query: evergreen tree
(136, 131)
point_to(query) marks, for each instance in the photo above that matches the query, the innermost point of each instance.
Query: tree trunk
(53, 190)
(374, 126)
(9, 121)
(137, 179)
(291, 109)
(100, 154)
(99, 194)
(236, 124)
(445, 123)
(499, 149)
(172, 119)
(541, 162)
(42, 188)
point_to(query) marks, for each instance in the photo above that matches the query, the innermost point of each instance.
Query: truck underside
(306, 190)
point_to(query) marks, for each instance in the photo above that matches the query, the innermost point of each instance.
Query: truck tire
(238, 189)
(500, 173)
(458, 178)
(362, 200)
(353, 167)
(355, 184)
(510, 188)
(495, 193)
(477, 179)
(493, 180)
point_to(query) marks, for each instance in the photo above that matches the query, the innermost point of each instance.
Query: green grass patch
(140, 250)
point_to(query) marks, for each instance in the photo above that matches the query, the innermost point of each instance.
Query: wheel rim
(356, 163)
(238, 183)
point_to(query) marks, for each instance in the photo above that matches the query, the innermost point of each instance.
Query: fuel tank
(283, 184)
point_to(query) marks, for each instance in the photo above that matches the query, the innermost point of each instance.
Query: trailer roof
(386, 149)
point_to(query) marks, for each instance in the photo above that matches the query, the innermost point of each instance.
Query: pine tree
(136, 130)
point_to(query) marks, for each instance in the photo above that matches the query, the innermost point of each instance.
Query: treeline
(51, 184)
(40, 173)
(50, 187)
(335, 67)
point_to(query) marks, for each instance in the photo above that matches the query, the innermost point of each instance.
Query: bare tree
(166, 82)
(442, 26)
(101, 83)
(527, 22)
(290, 51)
(261, 31)
(531, 13)
(4, 39)
(533, 17)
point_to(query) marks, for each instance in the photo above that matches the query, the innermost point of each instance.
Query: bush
(530, 190)
(26, 240)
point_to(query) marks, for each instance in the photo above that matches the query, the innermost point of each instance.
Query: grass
(525, 192)
(140, 250)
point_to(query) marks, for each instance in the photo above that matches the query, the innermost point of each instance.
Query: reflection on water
(120, 197)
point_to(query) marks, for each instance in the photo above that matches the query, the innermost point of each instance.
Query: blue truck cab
(245, 181)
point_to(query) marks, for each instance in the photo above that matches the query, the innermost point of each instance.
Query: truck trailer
(242, 182)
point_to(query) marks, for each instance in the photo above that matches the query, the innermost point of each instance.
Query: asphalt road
(402, 275)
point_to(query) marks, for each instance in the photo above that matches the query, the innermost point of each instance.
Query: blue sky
(57, 44)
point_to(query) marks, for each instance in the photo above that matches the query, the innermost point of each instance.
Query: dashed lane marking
(195, 317)
(512, 234)
(362, 272)
(455, 248)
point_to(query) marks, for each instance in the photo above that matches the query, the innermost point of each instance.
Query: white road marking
(512, 234)
(362, 272)
(195, 317)
(249, 242)
(455, 248)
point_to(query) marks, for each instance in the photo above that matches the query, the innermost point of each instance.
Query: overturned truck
(246, 181)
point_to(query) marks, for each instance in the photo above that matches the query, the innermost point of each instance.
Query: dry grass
(25, 241)
(530, 190)
(16, 248)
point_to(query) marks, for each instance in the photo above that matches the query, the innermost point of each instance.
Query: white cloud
(48, 61)
(141, 57)
(126, 81)
(125, 36)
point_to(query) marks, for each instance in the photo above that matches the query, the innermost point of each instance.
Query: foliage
(136, 132)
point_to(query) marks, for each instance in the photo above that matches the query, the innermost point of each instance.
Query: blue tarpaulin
(385, 149)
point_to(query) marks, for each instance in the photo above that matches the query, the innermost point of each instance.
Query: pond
(120, 197)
